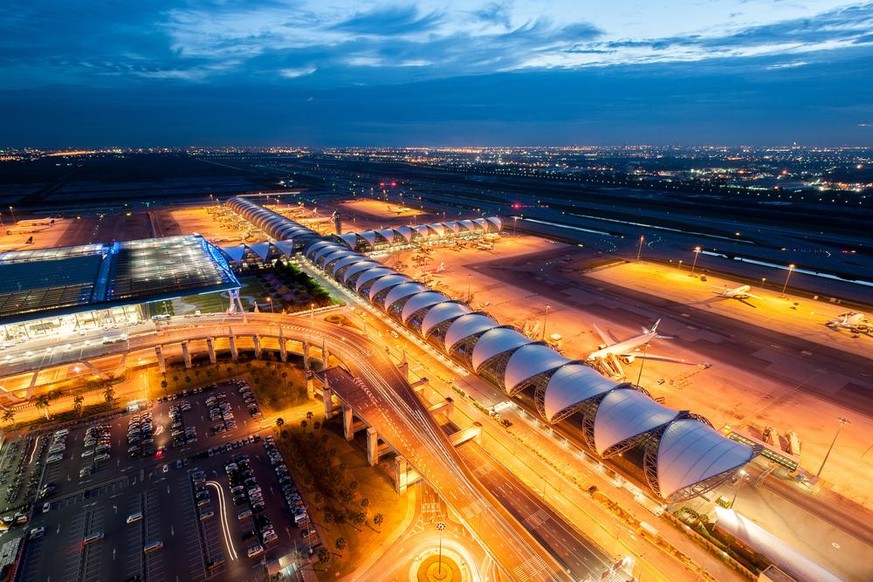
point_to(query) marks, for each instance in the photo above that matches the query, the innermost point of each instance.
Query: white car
(255, 551)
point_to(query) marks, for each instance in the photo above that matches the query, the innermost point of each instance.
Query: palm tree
(42, 401)
(309, 416)
(9, 415)
(280, 421)
(378, 519)
(109, 394)
(284, 378)
(303, 424)
(78, 399)
(341, 543)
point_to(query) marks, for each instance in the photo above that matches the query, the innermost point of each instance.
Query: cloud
(298, 72)
(390, 20)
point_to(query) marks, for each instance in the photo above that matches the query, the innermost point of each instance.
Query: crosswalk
(529, 569)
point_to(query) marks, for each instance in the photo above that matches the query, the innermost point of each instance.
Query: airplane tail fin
(654, 328)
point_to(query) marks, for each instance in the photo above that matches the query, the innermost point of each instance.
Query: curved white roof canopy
(405, 232)
(626, 413)
(496, 223)
(570, 386)
(371, 274)
(401, 291)
(326, 250)
(315, 248)
(350, 260)
(691, 452)
(325, 260)
(422, 230)
(468, 224)
(442, 313)
(481, 223)
(452, 226)
(467, 325)
(350, 238)
(369, 236)
(497, 341)
(360, 267)
(387, 283)
(420, 301)
(529, 361)
(438, 228)
(387, 234)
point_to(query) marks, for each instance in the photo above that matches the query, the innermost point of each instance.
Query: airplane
(439, 269)
(852, 320)
(740, 293)
(612, 350)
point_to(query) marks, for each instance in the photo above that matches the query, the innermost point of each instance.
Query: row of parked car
(140, 441)
(201, 495)
(220, 413)
(244, 488)
(288, 488)
(181, 434)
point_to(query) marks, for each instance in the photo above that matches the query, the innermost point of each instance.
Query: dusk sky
(441, 72)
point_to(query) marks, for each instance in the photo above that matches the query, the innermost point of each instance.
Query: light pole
(640, 250)
(743, 477)
(787, 277)
(643, 363)
(545, 316)
(514, 224)
(311, 310)
(469, 289)
(440, 527)
(843, 422)
(763, 282)
(12, 212)
(680, 264)
(270, 301)
(694, 264)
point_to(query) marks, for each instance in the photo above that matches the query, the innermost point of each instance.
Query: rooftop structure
(42, 283)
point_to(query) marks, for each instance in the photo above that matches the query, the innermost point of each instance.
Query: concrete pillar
(450, 407)
(283, 349)
(310, 385)
(186, 354)
(372, 446)
(325, 357)
(234, 354)
(327, 396)
(306, 355)
(401, 466)
(404, 369)
(257, 342)
(348, 423)
(210, 345)
(162, 363)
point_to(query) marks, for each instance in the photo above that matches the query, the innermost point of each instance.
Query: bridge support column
(210, 345)
(186, 354)
(257, 343)
(325, 356)
(327, 397)
(234, 353)
(310, 385)
(283, 349)
(306, 355)
(450, 407)
(404, 369)
(372, 446)
(162, 363)
(401, 480)
(348, 423)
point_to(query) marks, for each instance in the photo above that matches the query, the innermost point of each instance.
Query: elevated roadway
(389, 405)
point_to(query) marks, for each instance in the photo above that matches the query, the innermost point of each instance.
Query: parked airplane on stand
(740, 293)
(852, 320)
(610, 354)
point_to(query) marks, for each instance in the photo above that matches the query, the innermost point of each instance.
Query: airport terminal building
(71, 290)
(677, 453)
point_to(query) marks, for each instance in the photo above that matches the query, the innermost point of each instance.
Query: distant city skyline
(477, 73)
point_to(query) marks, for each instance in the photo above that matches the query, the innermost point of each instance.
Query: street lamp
(763, 282)
(440, 527)
(469, 289)
(694, 264)
(11, 211)
(545, 315)
(744, 478)
(514, 224)
(270, 301)
(642, 363)
(640, 250)
(311, 310)
(843, 422)
(787, 277)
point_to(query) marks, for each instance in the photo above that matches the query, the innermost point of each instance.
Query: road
(389, 405)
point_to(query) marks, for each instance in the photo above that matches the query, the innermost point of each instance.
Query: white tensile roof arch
(690, 452)
(359, 267)
(468, 224)
(529, 361)
(315, 248)
(342, 253)
(386, 283)
(369, 236)
(497, 341)
(452, 226)
(468, 325)
(422, 230)
(572, 385)
(442, 313)
(371, 274)
(439, 228)
(403, 290)
(387, 234)
(496, 223)
(626, 413)
(420, 301)
(350, 238)
(405, 232)
(349, 260)
(326, 250)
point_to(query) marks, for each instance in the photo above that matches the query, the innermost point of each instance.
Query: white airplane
(612, 350)
(851, 320)
(740, 293)
(439, 269)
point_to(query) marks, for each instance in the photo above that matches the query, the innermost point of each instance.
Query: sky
(435, 72)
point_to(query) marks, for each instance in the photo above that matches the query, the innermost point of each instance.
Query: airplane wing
(607, 337)
(641, 355)
(616, 366)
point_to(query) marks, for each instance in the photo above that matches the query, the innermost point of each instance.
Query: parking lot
(163, 494)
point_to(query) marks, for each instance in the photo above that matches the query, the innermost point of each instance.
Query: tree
(365, 502)
(323, 555)
(316, 425)
(9, 415)
(359, 517)
(353, 486)
(303, 424)
(109, 394)
(309, 415)
(284, 378)
(164, 386)
(378, 519)
(78, 399)
(341, 543)
(42, 402)
(280, 421)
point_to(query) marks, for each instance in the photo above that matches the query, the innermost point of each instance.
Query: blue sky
(330, 72)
